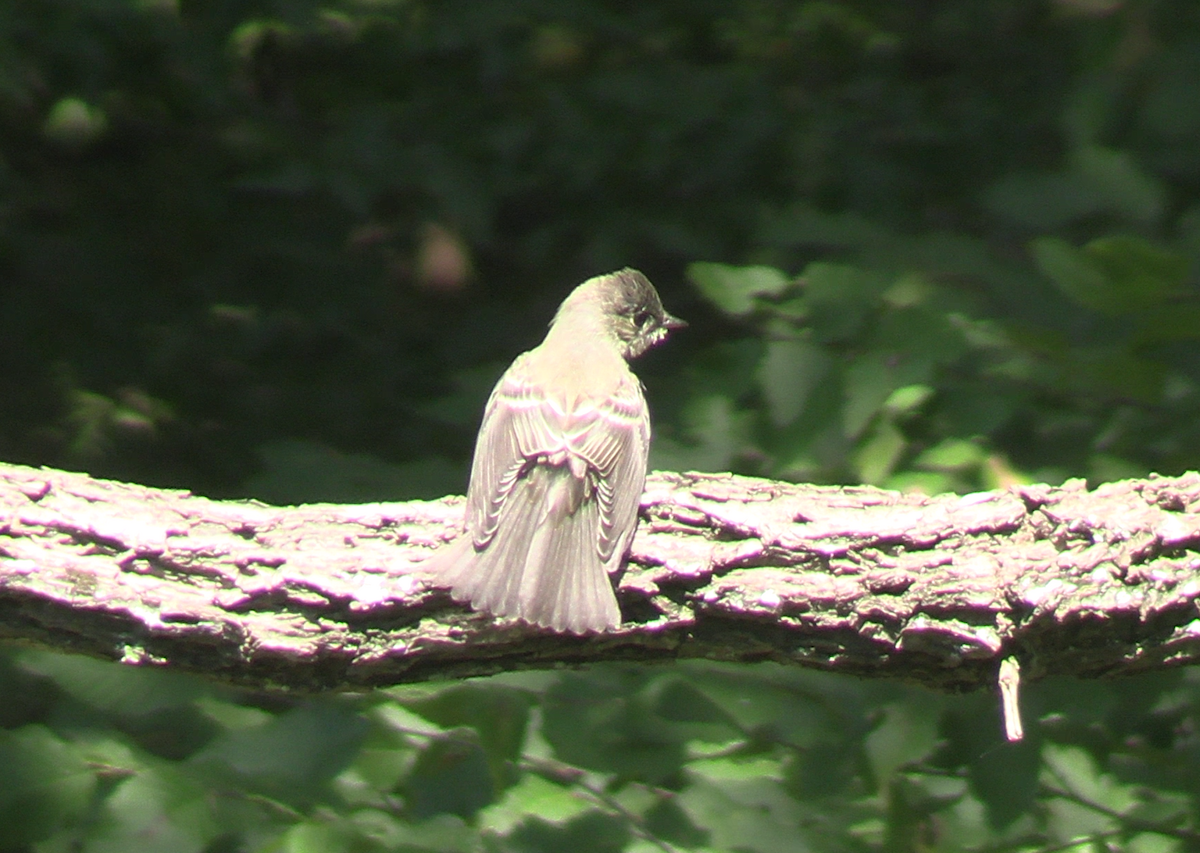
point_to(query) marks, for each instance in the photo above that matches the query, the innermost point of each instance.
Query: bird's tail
(542, 565)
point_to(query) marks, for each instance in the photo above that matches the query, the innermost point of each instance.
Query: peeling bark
(933, 590)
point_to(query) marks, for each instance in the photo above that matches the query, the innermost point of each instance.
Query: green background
(282, 250)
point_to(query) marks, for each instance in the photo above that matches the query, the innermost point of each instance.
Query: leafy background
(282, 250)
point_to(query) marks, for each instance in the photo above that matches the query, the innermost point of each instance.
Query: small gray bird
(560, 464)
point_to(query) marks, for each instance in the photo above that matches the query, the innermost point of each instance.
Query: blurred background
(282, 249)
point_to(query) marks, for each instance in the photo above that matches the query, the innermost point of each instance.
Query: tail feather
(542, 565)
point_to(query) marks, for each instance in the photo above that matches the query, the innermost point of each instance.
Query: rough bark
(934, 590)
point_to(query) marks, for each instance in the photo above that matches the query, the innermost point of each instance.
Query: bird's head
(629, 307)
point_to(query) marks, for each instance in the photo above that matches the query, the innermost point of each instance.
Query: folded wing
(552, 506)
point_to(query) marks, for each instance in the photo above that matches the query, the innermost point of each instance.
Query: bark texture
(933, 590)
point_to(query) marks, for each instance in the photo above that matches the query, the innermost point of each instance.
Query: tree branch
(934, 590)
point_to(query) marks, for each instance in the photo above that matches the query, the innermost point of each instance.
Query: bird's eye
(642, 319)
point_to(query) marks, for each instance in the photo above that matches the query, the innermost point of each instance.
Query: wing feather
(553, 501)
(521, 427)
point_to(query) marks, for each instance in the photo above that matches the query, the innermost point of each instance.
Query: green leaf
(1003, 775)
(953, 454)
(720, 369)
(880, 453)
(1160, 808)
(1072, 769)
(230, 715)
(908, 733)
(451, 776)
(74, 123)
(1043, 201)
(534, 796)
(292, 756)
(387, 831)
(607, 722)
(716, 432)
(158, 809)
(721, 770)
(1076, 274)
(790, 369)
(756, 814)
(1140, 274)
(315, 837)
(768, 709)
(694, 715)
(976, 408)
(43, 782)
(921, 482)
(1167, 323)
(870, 380)
(908, 399)
(840, 298)
(498, 715)
(909, 291)
(591, 832)
(1111, 374)
(963, 825)
(1152, 842)
(921, 332)
(1096, 180)
(126, 691)
(1128, 189)
(396, 716)
(375, 772)
(733, 289)
(1071, 823)
(1114, 275)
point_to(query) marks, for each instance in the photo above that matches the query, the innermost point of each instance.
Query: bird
(560, 465)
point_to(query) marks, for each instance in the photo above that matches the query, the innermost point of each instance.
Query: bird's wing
(604, 442)
(616, 445)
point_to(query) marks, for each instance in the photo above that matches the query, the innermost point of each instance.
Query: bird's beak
(670, 322)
